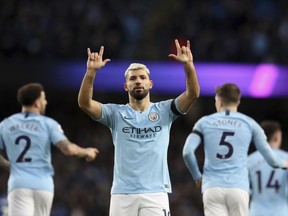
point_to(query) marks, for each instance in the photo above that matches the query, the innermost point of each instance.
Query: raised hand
(95, 60)
(184, 54)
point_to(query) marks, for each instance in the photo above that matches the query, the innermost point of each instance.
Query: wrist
(91, 70)
(189, 63)
(85, 152)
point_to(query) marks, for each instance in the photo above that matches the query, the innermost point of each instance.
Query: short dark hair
(270, 127)
(229, 93)
(29, 93)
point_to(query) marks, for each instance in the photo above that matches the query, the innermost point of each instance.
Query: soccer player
(226, 136)
(26, 137)
(269, 187)
(140, 131)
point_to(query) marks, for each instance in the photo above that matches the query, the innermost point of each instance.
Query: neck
(30, 109)
(139, 105)
(231, 108)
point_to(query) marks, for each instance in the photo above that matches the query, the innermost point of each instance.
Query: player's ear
(125, 86)
(37, 103)
(238, 103)
(151, 84)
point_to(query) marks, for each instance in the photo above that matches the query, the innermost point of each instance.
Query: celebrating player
(140, 131)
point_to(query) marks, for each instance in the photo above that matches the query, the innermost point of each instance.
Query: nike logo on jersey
(125, 117)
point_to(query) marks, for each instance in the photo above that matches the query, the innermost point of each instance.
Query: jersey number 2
(27, 143)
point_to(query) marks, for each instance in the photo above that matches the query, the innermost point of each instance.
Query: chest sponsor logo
(142, 133)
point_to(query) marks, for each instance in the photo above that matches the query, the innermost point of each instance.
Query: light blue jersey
(226, 137)
(269, 187)
(141, 142)
(27, 139)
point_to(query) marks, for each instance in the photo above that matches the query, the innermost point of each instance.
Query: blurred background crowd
(242, 31)
(219, 30)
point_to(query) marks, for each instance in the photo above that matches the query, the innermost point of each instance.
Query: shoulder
(208, 118)
(202, 122)
(163, 103)
(169, 106)
(114, 106)
(250, 122)
(9, 118)
(48, 120)
(246, 118)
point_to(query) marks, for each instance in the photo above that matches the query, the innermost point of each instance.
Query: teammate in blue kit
(140, 132)
(226, 136)
(269, 187)
(26, 138)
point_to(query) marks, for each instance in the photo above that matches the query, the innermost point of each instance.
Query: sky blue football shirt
(226, 137)
(141, 142)
(269, 187)
(27, 139)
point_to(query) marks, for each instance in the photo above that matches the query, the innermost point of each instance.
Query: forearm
(192, 165)
(187, 98)
(192, 84)
(191, 144)
(86, 90)
(71, 149)
(77, 151)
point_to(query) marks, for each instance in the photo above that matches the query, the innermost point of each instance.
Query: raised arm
(184, 55)
(71, 149)
(85, 101)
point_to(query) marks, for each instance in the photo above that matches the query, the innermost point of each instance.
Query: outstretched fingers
(94, 55)
(101, 51)
(106, 60)
(88, 52)
(91, 55)
(178, 48)
(188, 44)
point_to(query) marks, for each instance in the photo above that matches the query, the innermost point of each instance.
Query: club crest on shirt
(153, 116)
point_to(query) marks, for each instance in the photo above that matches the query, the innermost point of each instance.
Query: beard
(139, 95)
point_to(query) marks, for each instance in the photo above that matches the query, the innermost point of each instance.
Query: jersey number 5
(27, 143)
(227, 144)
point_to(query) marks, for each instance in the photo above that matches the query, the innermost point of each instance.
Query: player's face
(138, 84)
(43, 103)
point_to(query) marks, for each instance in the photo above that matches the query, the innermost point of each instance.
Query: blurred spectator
(224, 30)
